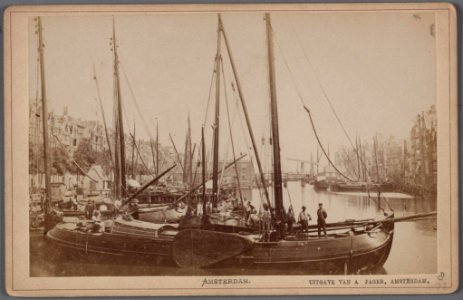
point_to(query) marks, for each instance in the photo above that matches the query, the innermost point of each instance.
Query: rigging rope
(326, 95)
(196, 164)
(144, 122)
(349, 161)
(248, 148)
(323, 149)
(77, 165)
(108, 141)
(139, 155)
(310, 116)
(289, 196)
(209, 95)
(208, 153)
(230, 130)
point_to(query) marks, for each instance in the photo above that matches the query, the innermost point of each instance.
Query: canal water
(414, 249)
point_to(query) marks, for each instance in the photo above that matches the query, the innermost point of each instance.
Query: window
(92, 186)
(74, 142)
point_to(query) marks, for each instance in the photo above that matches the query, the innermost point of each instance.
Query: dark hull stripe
(384, 247)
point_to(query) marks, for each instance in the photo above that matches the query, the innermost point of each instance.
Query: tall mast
(46, 202)
(422, 134)
(278, 191)
(120, 125)
(215, 162)
(364, 161)
(311, 164)
(176, 153)
(246, 115)
(375, 141)
(359, 150)
(137, 155)
(189, 153)
(133, 152)
(153, 156)
(102, 114)
(187, 176)
(231, 138)
(358, 155)
(405, 154)
(157, 147)
(203, 169)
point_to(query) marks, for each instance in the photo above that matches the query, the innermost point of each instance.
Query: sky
(378, 70)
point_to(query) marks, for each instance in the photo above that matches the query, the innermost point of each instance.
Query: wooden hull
(320, 185)
(350, 187)
(169, 215)
(373, 188)
(353, 253)
(235, 219)
(154, 207)
(122, 240)
(386, 187)
(201, 248)
(349, 252)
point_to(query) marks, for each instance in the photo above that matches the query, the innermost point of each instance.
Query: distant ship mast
(46, 200)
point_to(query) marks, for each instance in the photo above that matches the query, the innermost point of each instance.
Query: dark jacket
(321, 214)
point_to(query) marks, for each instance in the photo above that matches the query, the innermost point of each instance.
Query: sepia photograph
(231, 147)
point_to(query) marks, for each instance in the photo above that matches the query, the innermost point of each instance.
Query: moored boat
(347, 248)
(163, 214)
(350, 245)
(120, 237)
(361, 187)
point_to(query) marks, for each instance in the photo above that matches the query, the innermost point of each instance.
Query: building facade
(64, 129)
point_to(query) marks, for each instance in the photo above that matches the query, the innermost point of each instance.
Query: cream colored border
(19, 283)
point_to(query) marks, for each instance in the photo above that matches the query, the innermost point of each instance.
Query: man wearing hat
(134, 209)
(321, 219)
(304, 219)
(89, 208)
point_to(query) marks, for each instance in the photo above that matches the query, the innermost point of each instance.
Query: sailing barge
(196, 242)
(120, 238)
(349, 246)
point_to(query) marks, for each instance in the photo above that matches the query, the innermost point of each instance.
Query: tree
(104, 160)
(84, 155)
(61, 162)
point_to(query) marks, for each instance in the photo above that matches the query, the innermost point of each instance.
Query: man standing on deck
(266, 223)
(89, 208)
(134, 209)
(321, 219)
(304, 219)
(290, 219)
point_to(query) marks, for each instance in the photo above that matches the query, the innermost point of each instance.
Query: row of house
(420, 152)
(409, 162)
(97, 182)
(69, 130)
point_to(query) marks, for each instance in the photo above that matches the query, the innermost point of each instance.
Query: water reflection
(414, 249)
